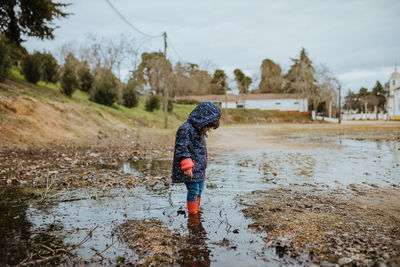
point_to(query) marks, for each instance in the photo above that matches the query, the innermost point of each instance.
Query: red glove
(187, 164)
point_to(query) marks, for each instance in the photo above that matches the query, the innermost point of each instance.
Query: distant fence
(352, 117)
(364, 116)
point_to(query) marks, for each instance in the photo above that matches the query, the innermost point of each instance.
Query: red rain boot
(192, 207)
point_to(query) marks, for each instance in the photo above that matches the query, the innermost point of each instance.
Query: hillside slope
(32, 114)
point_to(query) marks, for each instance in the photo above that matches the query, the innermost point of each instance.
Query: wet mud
(329, 227)
(297, 198)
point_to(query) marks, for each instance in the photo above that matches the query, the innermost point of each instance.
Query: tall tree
(243, 82)
(50, 68)
(379, 91)
(363, 98)
(190, 80)
(219, 85)
(271, 77)
(32, 18)
(351, 101)
(5, 62)
(154, 72)
(300, 77)
(324, 88)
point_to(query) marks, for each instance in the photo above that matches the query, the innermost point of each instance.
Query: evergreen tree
(105, 89)
(243, 82)
(363, 92)
(271, 77)
(49, 68)
(32, 67)
(129, 95)
(379, 91)
(351, 101)
(300, 77)
(219, 86)
(153, 103)
(32, 18)
(85, 77)
(5, 63)
(69, 80)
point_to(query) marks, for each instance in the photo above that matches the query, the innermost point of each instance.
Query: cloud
(354, 38)
(356, 78)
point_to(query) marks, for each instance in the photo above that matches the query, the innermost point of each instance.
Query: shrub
(32, 67)
(5, 63)
(104, 90)
(152, 103)
(129, 96)
(69, 80)
(86, 79)
(49, 71)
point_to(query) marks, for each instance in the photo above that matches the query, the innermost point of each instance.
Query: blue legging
(194, 190)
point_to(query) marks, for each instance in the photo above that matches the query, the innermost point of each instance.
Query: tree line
(368, 101)
(96, 66)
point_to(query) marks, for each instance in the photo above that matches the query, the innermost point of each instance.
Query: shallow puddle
(226, 239)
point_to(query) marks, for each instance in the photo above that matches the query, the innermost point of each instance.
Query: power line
(143, 33)
(176, 52)
(133, 27)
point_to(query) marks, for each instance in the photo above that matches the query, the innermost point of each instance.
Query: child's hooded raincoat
(190, 142)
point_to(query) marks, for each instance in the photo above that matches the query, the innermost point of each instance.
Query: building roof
(234, 98)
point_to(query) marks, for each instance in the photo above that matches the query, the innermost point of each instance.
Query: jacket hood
(203, 114)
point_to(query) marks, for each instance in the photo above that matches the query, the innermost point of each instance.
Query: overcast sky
(358, 40)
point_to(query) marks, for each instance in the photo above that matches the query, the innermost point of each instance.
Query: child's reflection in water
(196, 253)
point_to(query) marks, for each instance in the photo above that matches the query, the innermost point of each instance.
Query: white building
(394, 96)
(281, 102)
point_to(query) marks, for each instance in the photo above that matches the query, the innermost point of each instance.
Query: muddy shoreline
(273, 197)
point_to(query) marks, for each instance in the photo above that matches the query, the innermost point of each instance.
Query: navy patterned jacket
(190, 143)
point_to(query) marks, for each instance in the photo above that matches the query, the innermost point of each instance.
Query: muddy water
(310, 160)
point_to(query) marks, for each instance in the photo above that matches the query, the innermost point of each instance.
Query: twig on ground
(48, 248)
(87, 237)
(42, 261)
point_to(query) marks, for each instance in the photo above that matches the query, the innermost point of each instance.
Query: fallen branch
(60, 255)
(87, 237)
(42, 261)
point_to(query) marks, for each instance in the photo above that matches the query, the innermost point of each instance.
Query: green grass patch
(16, 74)
(49, 85)
(98, 112)
(68, 128)
(35, 96)
(80, 95)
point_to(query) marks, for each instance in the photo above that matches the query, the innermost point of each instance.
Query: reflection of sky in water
(221, 214)
(333, 161)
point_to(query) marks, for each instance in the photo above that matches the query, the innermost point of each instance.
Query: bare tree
(113, 53)
(62, 51)
(324, 89)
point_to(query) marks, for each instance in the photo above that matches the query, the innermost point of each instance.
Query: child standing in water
(190, 155)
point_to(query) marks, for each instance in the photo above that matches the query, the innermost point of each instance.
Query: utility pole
(165, 91)
(340, 104)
